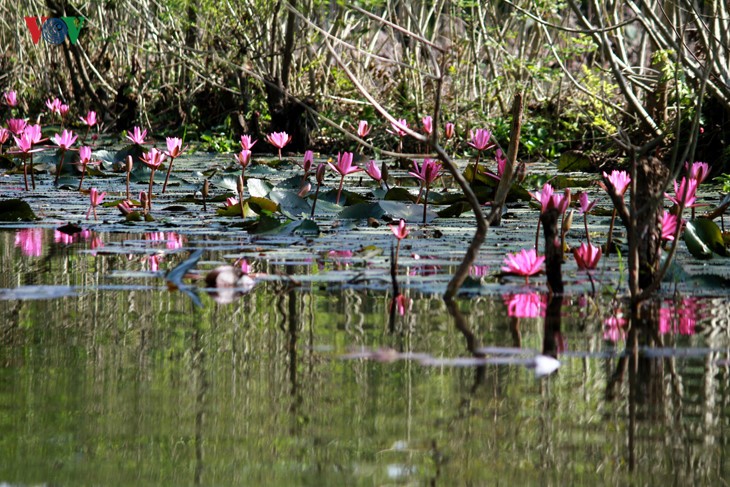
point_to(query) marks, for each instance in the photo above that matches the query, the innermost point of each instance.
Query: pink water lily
(587, 256)
(427, 173)
(699, 171)
(400, 230)
(34, 132)
(84, 161)
(481, 139)
(363, 129)
(11, 98)
(137, 136)
(90, 119)
(398, 127)
(152, 159)
(307, 162)
(244, 158)
(16, 125)
(501, 164)
(63, 110)
(620, 181)
(523, 263)
(449, 130)
(684, 193)
(4, 136)
(344, 167)
(279, 140)
(372, 169)
(54, 106)
(65, 140)
(247, 142)
(585, 204)
(669, 225)
(427, 122)
(544, 196)
(174, 147)
(96, 199)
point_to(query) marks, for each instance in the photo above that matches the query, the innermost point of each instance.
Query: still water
(109, 378)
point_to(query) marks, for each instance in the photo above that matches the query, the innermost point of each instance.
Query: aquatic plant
(152, 159)
(137, 136)
(279, 140)
(481, 141)
(426, 173)
(174, 150)
(344, 167)
(84, 161)
(96, 199)
(524, 263)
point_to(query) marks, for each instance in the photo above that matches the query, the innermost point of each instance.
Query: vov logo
(53, 29)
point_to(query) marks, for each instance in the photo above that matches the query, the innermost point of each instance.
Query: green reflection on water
(140, 387)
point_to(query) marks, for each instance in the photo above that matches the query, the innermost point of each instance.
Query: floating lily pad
(16, 210)
(703, 238)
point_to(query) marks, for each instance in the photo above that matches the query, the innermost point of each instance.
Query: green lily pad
(257, 187)
(262, 204)
(574, 161)
(703, 238)
(291, 204)
(14, 210)
(455, 210)
(399, 194)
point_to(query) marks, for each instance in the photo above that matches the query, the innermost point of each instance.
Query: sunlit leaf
(703, 237)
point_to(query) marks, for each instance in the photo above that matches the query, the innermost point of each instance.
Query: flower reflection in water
(678, 316)
(173, 240)
(525, 305)
(30, 241)
(402, 304)
(614, 327)
(424, 269)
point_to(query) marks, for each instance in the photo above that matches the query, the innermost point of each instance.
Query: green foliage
(217, 142)
(724, 179)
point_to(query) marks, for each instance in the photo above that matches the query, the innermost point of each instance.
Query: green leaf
(16, 210)
(291, 204)
(410, 213)
(455, 210)
(257, 187)
(399, 194)
(262, 204)
(225, 181)
(703, 237)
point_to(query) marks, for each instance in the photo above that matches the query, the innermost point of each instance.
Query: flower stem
(25, 174)
(425, 205)
(32, 173)
(585, 224)
(314, 204)
(60, 165)
(83, 172)
(339, 191)
(169, 168)
(476, 167)
(149, 193)
(610, 233)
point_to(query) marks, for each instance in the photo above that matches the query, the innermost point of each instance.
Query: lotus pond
(116, 369)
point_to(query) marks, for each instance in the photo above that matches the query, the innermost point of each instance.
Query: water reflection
(526, 305)
(30, 241)
(130, 383)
